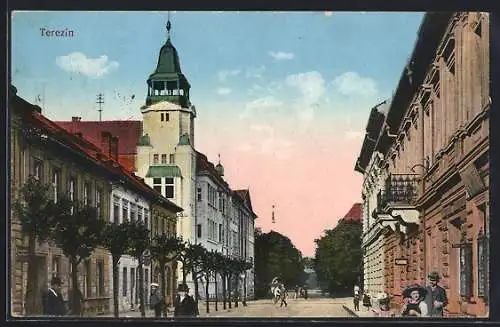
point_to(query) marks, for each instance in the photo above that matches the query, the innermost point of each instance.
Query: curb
(349, 311)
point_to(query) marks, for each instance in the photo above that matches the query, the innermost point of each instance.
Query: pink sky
(312, 187)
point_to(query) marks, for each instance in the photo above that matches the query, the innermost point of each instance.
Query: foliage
(276, 256)
(338, 257)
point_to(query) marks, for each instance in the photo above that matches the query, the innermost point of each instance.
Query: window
(124, 280)
(155, 159)
(86, 190)
(220, 233)
(169, 187)
(56, 266)
(198, 230)
(163, 159)
(116, 209)
(167, 117)
(87, 289)
(199, 194)
(139, 213)
(38, 169)
(98, 202)
(124, 210)
(157, 185)
(171, 158)
(466, 270)
(55, 183)
(133, 212)
(100, 277)
(146, 218)
(162, 116)
(72, 191)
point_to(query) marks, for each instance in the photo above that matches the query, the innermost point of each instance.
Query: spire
(219, 168)
(169, 26)
(273, 220)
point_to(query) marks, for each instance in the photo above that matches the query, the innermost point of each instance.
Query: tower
(166, 158)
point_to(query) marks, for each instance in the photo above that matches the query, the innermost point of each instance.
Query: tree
(208, 267)
(226, 287)
(115, 238)
(78, 232)
(219, 263)
(193, 255)
(139, 242)
(276, 256)
(35, 211)
(164, 249)
(338, 257)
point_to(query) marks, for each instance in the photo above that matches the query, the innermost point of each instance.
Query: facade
(369, 164)
(435, 202)
(59, 159)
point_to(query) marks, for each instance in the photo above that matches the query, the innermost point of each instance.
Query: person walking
(185, 305)
(52, 299)
(283, 295)
(413, 302)
(156, 301)
(436, 298)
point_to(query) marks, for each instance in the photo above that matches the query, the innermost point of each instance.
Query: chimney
(106, 143)
(76, 119)
(114, 148)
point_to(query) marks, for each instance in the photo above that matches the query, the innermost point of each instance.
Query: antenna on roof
(100, 102)
(272, 217)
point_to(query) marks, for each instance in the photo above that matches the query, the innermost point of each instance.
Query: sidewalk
(362, 313)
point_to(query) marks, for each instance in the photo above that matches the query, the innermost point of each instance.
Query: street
(312, 307)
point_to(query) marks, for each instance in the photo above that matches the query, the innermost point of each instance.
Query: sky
(283, 97)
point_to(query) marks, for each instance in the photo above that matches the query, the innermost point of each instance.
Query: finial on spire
(272, 217)
(169, 25)
(219, 156)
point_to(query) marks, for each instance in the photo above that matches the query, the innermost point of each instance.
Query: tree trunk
(207, 296)
(244, 300)
(76, 304)
(141, 288)
(115, 286)
(184, 273)
(224, 295)
(163, 287)
(229, 291)
(237, 290)
(216, 292)
(195, 281)
(32, 282)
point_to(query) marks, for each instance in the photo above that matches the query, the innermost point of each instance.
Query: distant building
(353, 215)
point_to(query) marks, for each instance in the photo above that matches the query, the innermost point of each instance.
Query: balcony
(400, 190)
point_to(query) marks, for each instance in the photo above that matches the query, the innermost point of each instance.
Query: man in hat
(185, 306)
(53, 302)
(436, 298)
(156, 301)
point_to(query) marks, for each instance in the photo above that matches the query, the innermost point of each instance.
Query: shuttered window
(466, 270)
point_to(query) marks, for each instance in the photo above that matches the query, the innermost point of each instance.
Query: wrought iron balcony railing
(399, 188)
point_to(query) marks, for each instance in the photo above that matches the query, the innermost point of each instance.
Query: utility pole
(100, 102)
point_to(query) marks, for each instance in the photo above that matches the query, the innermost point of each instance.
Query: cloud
(328, 13)
(351, 84)
(224, 90)
(254, 72)
(268, 142)
(282, 55)
(224, 74)
(310, 84)
(260, 106)
(77, 62)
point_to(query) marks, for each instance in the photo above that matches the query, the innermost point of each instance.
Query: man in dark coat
(185, 305)
(53, 302)
(156, 301)
(436, 298)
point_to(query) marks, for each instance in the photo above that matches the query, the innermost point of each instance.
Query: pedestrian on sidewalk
(413, 302)
(384, 309)
(367, 301)
(52, 299)
(436, 298)
(283, 295)
(356, 302)
(185, 306)
(156, 301)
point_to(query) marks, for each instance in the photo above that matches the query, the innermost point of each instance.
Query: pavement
(363, 312)
(312, 307)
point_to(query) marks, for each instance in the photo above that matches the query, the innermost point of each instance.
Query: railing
(399, 188)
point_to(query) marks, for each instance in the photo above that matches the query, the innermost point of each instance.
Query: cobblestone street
(314, 307)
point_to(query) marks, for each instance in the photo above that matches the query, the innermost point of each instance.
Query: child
(367, 301)
(356, 302)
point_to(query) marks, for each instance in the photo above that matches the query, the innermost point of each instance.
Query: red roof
(354, 214)
(93, 153)
(128, 132)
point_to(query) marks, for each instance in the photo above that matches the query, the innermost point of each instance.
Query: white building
(166, 158)
(128, 205)
(373, 183)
